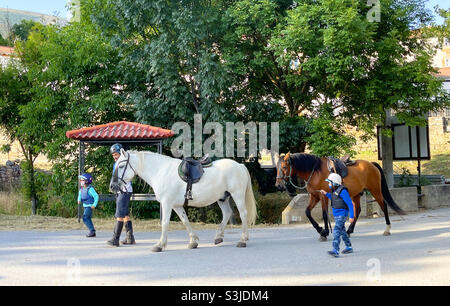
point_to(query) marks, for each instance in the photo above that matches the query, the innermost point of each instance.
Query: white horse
(224, 178)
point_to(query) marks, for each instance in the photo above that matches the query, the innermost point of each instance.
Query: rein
(116, 170)
(290, 178)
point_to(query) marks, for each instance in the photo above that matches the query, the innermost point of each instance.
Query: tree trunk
(33, 205)
(32, 189)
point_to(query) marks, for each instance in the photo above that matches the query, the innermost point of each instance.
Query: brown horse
(314, 170)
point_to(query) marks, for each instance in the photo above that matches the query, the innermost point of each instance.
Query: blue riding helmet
(115, 148)
(87, 177)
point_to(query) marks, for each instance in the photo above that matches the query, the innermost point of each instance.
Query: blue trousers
(87, 219)
(339, 232)
(123, 205)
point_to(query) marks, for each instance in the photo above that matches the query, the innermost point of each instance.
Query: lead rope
(306, 182)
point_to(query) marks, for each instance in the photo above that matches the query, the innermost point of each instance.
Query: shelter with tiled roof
(123, 132)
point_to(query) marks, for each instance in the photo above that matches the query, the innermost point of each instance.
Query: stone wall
(435, 196)
(15, 153)
(439, 138)
(10, 175)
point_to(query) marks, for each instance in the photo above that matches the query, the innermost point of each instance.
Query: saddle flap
(190, 170)
(337, 166)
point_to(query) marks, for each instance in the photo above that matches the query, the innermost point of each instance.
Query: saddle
(191, 171)
(339, 166)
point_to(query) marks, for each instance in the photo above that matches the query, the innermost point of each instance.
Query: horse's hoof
(218, 241)
(156, 249)
(386, 234)
(241, 244)
(193, 245)
(323, 238)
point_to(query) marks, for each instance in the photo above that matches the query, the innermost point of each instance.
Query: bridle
(116, 177)
(284, 177)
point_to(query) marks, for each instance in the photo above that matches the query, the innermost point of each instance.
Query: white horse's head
(123, 173)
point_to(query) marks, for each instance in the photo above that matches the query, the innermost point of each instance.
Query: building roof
(444, 72)
(6, 51)
(117, 131)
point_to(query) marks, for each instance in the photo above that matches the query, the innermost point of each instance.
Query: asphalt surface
(417, 253)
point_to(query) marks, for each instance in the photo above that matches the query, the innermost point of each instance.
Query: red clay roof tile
(119, 130)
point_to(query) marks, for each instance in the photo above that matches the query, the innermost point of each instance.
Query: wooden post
(419, 170)
(81, 161)
(160, 208)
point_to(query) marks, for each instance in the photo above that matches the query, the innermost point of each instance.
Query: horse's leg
(165, 219)
(312, 203)
(239, 199)
(226, 213)
(357, 208)
(193, 238)
(384, 208)
(324, 233)
(376, 193)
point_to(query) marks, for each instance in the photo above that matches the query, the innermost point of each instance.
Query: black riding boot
(116, 236)
(129, 239)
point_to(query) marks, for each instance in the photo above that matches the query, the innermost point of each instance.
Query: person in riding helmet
(89, 198)
(342, 207)
(122, 206)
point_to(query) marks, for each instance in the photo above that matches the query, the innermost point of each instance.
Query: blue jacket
(343, 212)
(88, 196)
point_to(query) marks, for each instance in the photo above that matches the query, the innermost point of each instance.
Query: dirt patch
(44, 223)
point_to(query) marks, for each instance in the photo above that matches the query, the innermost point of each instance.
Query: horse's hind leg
(193, 239)
(239, 199)
(226, 213)
(376, 193)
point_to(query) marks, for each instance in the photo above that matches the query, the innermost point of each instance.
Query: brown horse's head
(284, 171)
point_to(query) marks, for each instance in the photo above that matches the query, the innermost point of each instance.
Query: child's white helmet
(334, 178)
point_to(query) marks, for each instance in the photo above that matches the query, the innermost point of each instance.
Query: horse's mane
(303, 162)
(141, 154)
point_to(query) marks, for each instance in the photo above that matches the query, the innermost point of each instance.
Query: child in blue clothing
(89, 198)
(342, 207)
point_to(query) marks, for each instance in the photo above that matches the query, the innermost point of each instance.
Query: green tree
(68, 79)
(358, 67)
(14, 95)
(76, 82)
(173, 63)
(172, 48)
(22, 30)
(3, 41)
(247, 53)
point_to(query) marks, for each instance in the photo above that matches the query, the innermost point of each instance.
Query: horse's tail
(386, 194)
(250, 202)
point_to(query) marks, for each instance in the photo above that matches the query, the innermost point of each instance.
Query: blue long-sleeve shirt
(92, 193)
(339, 212)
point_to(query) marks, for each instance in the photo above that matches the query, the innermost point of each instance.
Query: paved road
(417, 253)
